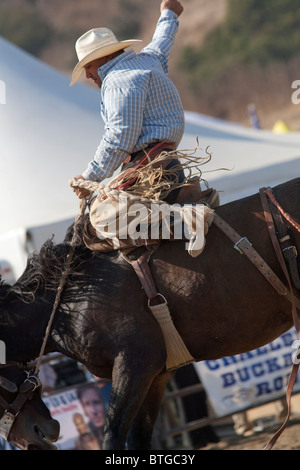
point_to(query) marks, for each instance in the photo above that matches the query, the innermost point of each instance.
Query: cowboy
(140, 105)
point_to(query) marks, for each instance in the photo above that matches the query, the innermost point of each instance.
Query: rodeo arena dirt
(265, 425)
(251, 429)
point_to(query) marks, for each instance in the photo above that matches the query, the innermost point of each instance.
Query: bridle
(32, 381)
(24, 393)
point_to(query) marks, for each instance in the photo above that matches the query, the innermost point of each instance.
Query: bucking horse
(222, 303)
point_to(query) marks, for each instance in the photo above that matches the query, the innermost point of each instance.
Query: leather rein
(24, 393)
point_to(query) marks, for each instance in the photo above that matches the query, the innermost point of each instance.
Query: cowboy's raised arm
(165, 32)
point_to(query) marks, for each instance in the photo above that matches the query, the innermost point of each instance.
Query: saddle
(189, 194)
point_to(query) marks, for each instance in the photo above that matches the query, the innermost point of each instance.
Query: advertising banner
(250, 379)
(81, 413)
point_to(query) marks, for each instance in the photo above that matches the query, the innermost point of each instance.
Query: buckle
(293, 252)
(236, 246)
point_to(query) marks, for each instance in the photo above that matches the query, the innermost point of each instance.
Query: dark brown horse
(220, 304)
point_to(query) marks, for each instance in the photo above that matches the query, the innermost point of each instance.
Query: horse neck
(22, 328)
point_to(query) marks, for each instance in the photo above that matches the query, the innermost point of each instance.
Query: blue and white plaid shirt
(139, 103)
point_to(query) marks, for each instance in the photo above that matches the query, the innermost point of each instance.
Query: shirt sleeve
(124, 118)
(164, 37)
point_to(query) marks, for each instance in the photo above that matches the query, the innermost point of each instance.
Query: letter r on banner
(296, 354)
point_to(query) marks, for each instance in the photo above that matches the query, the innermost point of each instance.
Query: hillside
(252, 56)
(49, 30)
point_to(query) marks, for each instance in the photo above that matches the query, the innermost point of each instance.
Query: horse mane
(45, 268)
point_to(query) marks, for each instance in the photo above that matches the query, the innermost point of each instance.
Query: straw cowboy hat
(94, 44)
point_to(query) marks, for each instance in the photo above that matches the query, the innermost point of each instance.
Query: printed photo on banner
(81, 412)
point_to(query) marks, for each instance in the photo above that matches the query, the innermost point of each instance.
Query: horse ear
(7, 385)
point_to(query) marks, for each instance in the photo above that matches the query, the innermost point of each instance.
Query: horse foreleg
(141, 430)
(131, 380)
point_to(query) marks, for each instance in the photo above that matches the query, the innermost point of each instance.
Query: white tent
(50, 131)
(255, 158)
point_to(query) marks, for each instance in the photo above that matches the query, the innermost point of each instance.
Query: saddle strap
(288, 249)
(144, 275)
(243, 245)
(177, 353)
(269, 220)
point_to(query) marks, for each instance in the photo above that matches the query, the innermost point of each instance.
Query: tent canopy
(49, 133)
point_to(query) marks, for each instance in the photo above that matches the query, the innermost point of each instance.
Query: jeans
(172, 196)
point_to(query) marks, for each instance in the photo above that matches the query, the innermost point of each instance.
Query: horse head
(25, 421)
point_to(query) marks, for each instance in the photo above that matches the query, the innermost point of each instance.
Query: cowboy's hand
(81, 192)
(173, 5)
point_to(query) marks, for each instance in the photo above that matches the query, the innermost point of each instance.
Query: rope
(152, 181)
(77, 226)
(104, 190)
